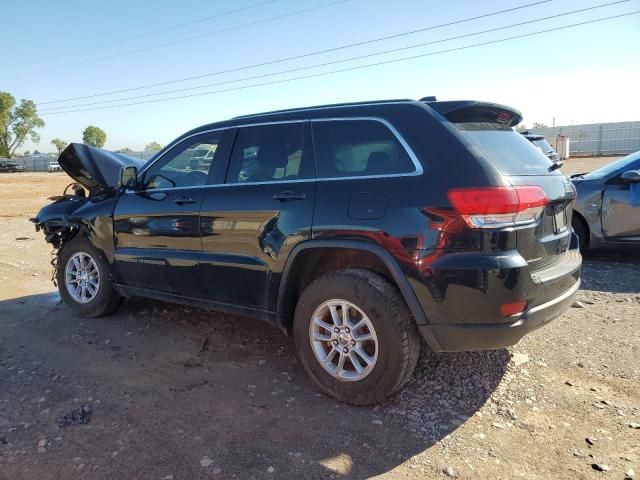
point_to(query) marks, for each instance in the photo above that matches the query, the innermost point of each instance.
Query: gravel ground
(182, 393)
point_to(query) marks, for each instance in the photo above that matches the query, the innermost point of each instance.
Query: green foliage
(94, 136)
(17, 123)
(124, 150)
(59, 144)
(153, 147)
(27, 153)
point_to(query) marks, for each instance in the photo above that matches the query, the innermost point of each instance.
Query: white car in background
(54, 167)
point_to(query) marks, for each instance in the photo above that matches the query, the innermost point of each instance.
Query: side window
(269, 153)
(185, 165)
(348, 148)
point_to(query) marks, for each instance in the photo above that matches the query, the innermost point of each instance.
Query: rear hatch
(544, 243)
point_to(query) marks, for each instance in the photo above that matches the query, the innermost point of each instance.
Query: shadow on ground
(607, 270)
(184, 392)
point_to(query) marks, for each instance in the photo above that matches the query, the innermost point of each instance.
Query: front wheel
(355, 337)
(83, 279)
(581, 231)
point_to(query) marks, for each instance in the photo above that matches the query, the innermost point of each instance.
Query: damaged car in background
(357, 228)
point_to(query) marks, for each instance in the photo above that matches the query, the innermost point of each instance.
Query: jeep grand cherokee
(354, 227)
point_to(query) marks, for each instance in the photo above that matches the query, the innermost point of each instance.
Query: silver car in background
(607, 210)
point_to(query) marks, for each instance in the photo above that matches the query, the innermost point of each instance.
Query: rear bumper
(464, 337)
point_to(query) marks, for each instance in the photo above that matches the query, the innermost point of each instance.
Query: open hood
(94, 168)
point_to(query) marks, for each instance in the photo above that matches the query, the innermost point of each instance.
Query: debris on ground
(78, 416)
(600, 467)
(205, 345)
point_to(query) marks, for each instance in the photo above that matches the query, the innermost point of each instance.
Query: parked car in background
(54, 167)
(7, 166)
(544, 146)
(354, 227)
(607, 210)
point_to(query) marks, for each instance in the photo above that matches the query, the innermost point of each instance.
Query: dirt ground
(179, 393)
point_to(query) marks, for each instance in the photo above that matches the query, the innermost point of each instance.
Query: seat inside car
(270, 156)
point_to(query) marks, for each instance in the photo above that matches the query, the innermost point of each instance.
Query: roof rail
(334, 105)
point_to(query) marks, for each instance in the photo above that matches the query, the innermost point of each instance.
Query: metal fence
(40, 163)
(617, 138)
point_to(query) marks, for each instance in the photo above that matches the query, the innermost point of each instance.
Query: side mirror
(128, 177)
(631, 176)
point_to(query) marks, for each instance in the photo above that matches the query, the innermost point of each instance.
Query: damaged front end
(86, 206)
(57, 220)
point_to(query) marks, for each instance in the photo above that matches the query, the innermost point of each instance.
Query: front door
(157, 228)
(620, 212)
(250, 224)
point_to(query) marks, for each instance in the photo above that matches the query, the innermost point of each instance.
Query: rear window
(543, 145)
(350, 148)
(506, 149)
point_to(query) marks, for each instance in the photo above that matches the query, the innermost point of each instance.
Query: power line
(195, 37)
(324, 64)
(296, 57)
(144, 35)
(359, 67)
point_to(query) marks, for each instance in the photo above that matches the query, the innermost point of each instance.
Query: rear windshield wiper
(556, 165)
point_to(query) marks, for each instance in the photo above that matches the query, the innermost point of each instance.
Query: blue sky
(579, 75)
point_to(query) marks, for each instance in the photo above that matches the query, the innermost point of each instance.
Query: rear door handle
(288, 196)
(184, 201)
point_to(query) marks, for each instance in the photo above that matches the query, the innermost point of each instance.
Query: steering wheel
(196, 177)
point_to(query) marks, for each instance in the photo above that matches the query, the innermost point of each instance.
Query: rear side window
(349, 148)
(506, 149)
(269, 153)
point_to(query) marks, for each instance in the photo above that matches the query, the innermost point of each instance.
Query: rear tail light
(498, 207)
(510, 309)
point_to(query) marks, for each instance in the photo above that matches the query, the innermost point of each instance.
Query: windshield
(509, 151)
(621, 164)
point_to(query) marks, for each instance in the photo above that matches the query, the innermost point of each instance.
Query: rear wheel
(83, 280)
(355, 337)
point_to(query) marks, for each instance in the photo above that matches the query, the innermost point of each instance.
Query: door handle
(288, 196)
(184, 201)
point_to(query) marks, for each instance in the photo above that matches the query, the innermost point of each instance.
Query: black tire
(581, 231)
(106, 299)
(398, 340)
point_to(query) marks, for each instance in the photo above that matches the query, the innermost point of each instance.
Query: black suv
(354, 227)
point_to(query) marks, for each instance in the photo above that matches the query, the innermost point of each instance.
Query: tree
(36, 152)
(539, 125)
(94, 137)
(153, 147)
(17, 123)
(124, 150)
(27, 153)
(521, 128)
(60, 144)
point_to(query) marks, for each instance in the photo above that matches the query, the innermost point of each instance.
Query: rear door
(250, 224)
(157, 228)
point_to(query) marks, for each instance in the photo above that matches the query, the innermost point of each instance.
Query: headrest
(272, 155)
(378, 163)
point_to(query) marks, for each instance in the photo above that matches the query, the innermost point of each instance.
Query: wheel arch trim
(397, 275)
